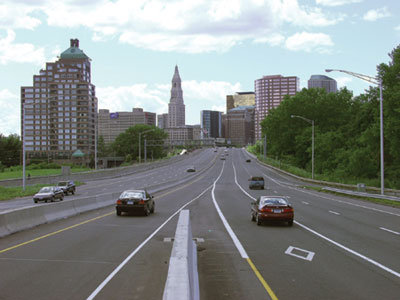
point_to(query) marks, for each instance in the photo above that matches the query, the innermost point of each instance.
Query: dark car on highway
(191, 169)
(256, 182)
(49, 193)
(135, 201)
(272, 208)
(248, 160)
(67, 187)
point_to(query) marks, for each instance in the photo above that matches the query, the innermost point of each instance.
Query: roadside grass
(8, 193)
(15, 173)
(386, 202)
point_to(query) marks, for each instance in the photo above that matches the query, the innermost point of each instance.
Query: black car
(67, 187)
(135, 201)
(256, 182)
(248, 160)
(191, 169)
(49, 193)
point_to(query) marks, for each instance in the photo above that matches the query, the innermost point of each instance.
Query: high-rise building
(322, 81)
(162, 121)
(238, 125)
(59, 112)
(240, 99)
(115, 123)
(269, 93)
(176, 108)
(210, 122)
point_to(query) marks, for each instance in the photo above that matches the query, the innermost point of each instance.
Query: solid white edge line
(331, 199)
(388, 230)
(397, 274)
(233, 236)
(334, 212)
(116, 270)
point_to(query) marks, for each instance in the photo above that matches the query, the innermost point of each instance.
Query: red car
(272, 208)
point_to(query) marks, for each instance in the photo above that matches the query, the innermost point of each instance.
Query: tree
(128, 142)
(10, 150)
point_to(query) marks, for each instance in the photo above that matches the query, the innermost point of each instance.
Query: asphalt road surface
(338, 248)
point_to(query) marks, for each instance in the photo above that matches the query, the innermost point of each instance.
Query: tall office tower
(322, 81)
(176, 108)
(210, 122)
(239, 125)
(59, 112)
(162, 121)
(240, 99)
(270, 91)
(113, 124)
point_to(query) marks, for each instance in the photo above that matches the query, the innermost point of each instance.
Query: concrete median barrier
(58, 210)
(85, 204)
(22, 219)
(182, 280)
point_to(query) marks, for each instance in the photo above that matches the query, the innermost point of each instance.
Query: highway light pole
(312, 141)
(377, 81)
(140, 135)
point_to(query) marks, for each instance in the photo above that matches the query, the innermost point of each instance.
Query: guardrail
(182, 280)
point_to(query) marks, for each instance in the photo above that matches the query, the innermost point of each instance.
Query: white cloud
(336, 2)
(343, 81)
(15, 16)
(273, 40)
(184, 26)
(9, 113)
(375, 14)
(19, 52)
(309, 42)
(397, 28)
(196, 95)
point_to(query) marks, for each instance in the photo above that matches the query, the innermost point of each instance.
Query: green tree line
(347, 129)
(10, 150)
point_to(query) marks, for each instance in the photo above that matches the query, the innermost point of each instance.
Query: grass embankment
(16, 172)
(7, 193)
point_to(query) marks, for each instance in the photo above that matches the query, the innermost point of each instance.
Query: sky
(220, 46)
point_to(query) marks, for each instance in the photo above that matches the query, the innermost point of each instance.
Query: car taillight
(288, 209)
(119, 201)
(265, 209)
(141, 202)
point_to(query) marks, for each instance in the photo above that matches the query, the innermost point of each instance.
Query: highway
(338, 247)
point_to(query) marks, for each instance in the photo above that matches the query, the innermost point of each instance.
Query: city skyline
(220, 49)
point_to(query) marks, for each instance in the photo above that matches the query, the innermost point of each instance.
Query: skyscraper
(270, 91)
(176, 108)
(59, 112)
(210, 122)
(322, 81)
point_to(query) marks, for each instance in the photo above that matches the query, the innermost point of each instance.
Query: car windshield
(46, 189)
(132, 194)
(62, 183)
(272, 201)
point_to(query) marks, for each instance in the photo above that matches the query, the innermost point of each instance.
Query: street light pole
(23, 147)
(312, 141)
(140, 135)
(377, 81)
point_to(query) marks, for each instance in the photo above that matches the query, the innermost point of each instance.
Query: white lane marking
(309, 255)
(275, 192)
(334, 212)
(336, 200)
(332, 241)
(379, 265)
(388, 230)
(117, 269)
(304, 202)
(225, 222)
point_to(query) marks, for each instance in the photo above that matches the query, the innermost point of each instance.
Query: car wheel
(253, 219)
(290, 223)
(62, 198)
(73, 192)
(35, 201)
(258, 221)
(146, 211)
(152, 208)
(118, 212)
